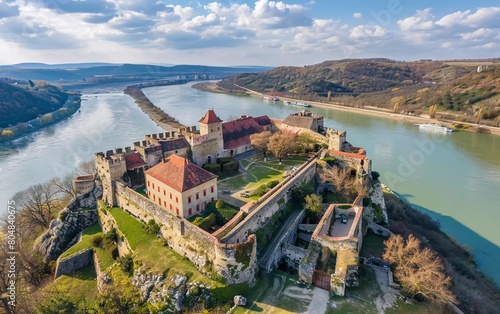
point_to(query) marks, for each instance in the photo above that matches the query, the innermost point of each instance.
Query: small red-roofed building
(180, 186)
(237, 133)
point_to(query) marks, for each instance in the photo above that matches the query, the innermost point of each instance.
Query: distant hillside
(453, 86)
(21, 103)
(86, 71)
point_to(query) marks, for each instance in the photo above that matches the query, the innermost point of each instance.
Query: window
(212, 199)
(190, 211)
(159, 201)
(197, 196)
(197, 207)
(153, 185)
(189, 199)
(158, 188)
(154, 197)
(212, 189)
(170, 195)
(164, 204)
(205, 192)
(148, 183)
(177, 210)
(171, 208)
(176, 199)
(164, 192)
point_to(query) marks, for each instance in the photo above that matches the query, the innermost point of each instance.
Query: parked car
(343, 219)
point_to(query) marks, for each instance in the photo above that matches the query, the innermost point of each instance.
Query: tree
(396, 102)
(313, 205)
(259, 141)
(432, 111)
(420, 271)
(65, 185)
(85, 168)
(39, 204)
(282, 143)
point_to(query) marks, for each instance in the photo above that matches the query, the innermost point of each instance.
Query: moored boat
(434, 127)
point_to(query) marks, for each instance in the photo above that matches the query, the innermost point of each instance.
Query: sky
(262, 32)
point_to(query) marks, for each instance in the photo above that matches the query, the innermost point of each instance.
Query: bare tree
(38, 204)
(420, 271)
(65, 185)
(85, 168)
(259, 141)
(282, 143)
(397, 102)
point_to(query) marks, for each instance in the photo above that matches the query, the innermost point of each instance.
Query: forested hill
(455, 86)
(21, 103)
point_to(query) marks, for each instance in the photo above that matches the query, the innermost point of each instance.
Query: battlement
(189, 129)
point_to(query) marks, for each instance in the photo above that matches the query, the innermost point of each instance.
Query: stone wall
(293, 255)
(73, 263)
(195, 244)
(264, 209)
(377, 229)
(289, 237)
(308, 264)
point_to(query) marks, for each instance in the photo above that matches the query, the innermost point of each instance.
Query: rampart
(73, 263)
(236, 262)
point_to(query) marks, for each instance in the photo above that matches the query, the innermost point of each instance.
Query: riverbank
(70, 107)
(161, 118)
(367, 110)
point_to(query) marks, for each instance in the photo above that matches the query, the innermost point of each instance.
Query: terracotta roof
(180, 174)
(237, 132)
(134, 161)
(210, 117)
(263, 120)
(174, 144)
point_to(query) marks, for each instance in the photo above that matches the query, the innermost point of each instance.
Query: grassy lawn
(373, 244)
(81, 286)
(260, 172)
(87, 235)
(149, 250)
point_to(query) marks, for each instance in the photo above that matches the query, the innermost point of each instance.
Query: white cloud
(357, 15)
(367, 31)
(422, 21)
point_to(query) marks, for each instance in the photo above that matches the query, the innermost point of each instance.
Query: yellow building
(180, 186)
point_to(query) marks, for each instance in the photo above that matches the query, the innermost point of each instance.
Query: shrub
(375, 175)
(152, 227)
(205, 223)
(127, 264)
(97, 241)
(112, 235)
(213, 168)
(329, 160)
(231, 168)
(261, 190)
(272, 184)
(220, 204)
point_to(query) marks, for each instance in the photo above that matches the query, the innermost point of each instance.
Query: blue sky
(258, 32)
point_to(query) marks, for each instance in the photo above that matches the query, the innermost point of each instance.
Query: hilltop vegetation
(455, 87)
(24, 102)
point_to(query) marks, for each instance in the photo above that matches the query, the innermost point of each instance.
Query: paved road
(272, 246)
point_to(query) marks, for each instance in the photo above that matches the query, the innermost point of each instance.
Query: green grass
(373, 244)
(149, 250)
(86, 242)
(81, 287)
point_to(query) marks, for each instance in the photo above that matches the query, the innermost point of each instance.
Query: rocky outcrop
(63, 232)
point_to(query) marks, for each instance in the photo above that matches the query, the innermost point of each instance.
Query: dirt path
(389, 294)
(319, 301)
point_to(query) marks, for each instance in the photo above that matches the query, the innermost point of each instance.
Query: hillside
(456, 87)
(21, 103)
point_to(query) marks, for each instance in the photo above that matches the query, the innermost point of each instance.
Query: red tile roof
(174, 144)
(263, 120)
(134, 161)
(237, 132)
(210, 117)
(180, 174)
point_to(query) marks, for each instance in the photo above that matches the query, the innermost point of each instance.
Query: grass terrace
(150, 251)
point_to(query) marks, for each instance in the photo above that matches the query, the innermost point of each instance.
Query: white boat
(434, 127)
(296, 104)
(270, 97)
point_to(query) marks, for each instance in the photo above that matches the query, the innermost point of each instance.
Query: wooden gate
(321, 280)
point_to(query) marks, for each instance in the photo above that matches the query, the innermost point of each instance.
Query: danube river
(455, 177)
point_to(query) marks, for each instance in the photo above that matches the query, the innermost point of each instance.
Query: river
(455, 177)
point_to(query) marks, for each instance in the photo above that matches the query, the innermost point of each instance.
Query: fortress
(231, 251)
